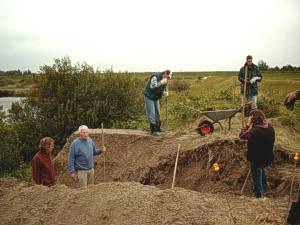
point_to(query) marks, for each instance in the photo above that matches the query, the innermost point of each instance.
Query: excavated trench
(136, 156)
(195, 170)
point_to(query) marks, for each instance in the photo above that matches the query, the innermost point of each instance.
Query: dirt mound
(135, 163)
(132, 203)
(6, 184)
(136, 156)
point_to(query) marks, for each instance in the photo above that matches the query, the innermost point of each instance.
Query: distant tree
(262, 65)
(13, 72)
(27, 72)
(288, 68)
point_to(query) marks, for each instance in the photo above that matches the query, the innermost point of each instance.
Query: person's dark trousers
(259, 180)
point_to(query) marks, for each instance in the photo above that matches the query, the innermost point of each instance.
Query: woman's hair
(258, 117)
(44, 142)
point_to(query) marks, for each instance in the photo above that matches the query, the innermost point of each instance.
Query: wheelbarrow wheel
(205, 127)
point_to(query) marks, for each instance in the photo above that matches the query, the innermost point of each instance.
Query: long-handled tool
(233, 97)
(244, 96)
(243, 119)
(175, 168)
(245, 182)
(296, 158)
(216, 169)
(166, 110)
(102, 140)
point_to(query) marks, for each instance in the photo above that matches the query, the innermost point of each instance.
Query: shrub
(10, 156)
(179, 85)
(65, 96)
(291, 120)
(269, 105)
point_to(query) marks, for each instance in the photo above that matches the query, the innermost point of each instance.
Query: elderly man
(42, 164)
(261, 137)
(82, 151)
(253, 76)
(290, 99)
(155, 88)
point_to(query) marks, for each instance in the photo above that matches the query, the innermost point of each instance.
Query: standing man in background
(153, 92)
(82, 151)
(253, 76)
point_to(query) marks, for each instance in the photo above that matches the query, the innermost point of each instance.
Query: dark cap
(249, 57)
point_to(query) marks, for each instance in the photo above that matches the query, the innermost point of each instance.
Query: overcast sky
(140, 35)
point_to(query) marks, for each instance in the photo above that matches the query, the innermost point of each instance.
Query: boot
(158, 126)
(153, 129)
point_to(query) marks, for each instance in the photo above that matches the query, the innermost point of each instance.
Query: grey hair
(82, 127)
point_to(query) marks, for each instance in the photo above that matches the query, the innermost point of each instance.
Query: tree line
(262, 65)
(16, 73)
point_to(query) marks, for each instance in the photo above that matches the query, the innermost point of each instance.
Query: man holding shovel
(261, 137)
(252, 74)
(155, 88)
(82, 151)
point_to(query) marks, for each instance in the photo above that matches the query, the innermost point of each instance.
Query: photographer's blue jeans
(152, 110)
(259, 180)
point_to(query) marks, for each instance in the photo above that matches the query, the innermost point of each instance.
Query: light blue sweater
(81, 154)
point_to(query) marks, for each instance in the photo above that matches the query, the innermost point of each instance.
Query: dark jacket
(43, 169)
(157, 92)
(261, 140)
(251, 89)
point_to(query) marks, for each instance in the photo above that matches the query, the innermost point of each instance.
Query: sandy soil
(136, 188)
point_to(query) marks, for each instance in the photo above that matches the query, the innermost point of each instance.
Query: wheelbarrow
(207, 126)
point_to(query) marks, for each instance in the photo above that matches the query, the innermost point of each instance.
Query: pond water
(7, 101)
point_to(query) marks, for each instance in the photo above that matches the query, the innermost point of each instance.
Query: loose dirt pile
(132, 203)
(135, 162)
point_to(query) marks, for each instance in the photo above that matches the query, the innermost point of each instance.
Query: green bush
(10, 156)
(291, 120)
(226, 94)
(65, 96)
(179, 85)
(269, 105)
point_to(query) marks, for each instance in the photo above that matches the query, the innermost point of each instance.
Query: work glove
(254, 79)
(166, 93)
(290, 100)
(164, 81)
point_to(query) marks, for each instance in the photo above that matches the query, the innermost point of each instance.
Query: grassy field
(15, 85)
(221, 90)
